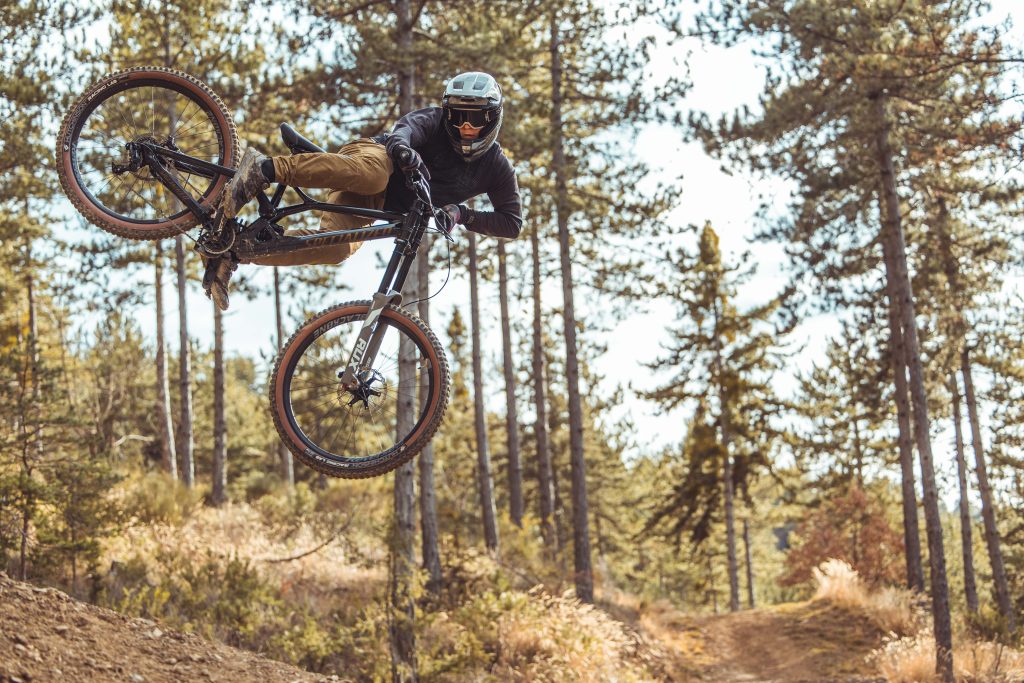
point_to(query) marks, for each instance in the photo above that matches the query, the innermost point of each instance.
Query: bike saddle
(296, 143)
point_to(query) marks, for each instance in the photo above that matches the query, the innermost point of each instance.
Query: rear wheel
(368, 430)
(155, 105)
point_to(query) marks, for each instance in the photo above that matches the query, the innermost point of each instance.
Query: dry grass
(492, 633)
(912, 660)
(240, 531)
(891, 609)
(544, 638)
(908, 655)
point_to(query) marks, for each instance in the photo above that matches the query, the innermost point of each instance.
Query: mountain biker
(454, 146)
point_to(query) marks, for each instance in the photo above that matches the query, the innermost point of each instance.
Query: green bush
(988, 625)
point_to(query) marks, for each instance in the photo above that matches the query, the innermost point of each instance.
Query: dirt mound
(47, 636)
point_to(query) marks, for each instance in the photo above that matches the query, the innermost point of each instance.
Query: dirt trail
(47, 636)
(807, 642)
(797, 643)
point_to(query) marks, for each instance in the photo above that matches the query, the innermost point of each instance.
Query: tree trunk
(897, 361)
(483, 472)
(428, 495)
(515, 473)
(220, 446)
(727, 483)
(713, 593)
(858, 446)
(546, 494)
(583, 572)
(970, 588)
(186, 445)
(988, 513)
(30, 413)
(401, 615)
(168, 457)
(284, 455)
(750, 566)
(896, 270)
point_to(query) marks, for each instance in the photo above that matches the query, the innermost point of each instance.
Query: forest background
(704, 408)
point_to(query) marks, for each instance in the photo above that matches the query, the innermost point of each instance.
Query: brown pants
(357, 176)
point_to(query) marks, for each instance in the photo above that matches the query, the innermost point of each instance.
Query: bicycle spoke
(173, 128)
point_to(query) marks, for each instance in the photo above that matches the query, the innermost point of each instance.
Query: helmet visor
(478, 118)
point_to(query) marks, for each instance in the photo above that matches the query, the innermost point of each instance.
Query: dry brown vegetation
(317, 600)
(908, 654)
(324, 610)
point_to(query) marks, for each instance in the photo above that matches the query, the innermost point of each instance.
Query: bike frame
(263, 237)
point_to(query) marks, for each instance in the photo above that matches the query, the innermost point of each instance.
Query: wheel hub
(132, 161)
(364, 390)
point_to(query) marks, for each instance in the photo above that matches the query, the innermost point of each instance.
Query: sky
(723, 79)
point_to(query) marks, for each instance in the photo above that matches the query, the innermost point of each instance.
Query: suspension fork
(371, 335)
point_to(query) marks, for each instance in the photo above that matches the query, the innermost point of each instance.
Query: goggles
(478, 118)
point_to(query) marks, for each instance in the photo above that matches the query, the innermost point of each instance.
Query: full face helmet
(472, 110)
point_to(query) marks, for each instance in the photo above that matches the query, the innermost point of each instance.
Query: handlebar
(416, 181)
(420, 186)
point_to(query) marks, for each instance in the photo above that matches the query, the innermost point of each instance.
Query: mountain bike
(361, 387)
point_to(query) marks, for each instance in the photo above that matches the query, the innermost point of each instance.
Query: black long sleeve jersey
(453, 180)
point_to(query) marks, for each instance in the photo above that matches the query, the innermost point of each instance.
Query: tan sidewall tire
(81, 201)
(394, 456)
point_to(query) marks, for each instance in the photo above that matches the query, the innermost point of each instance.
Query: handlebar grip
(404, 156)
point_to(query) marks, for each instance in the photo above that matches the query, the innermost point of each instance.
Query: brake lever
(444, 223)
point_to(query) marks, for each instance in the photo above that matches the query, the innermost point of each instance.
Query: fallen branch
(342, 529)
(273, 560)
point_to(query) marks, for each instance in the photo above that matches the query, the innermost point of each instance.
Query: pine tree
(165, 428)
(515, 473)
(428, 495)
(402, 614)
(33, 416)
(842, 398)
(723, 360)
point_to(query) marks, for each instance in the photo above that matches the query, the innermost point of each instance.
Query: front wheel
(370, 430)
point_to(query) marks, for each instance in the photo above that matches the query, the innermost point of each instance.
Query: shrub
(912, 660)
(853, 520)
(891, 609)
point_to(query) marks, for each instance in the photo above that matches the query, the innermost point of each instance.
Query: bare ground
(806, 642)
(47, 636)
(797, 643)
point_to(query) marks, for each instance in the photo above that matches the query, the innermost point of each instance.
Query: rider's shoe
(216, 279)
(247, 181)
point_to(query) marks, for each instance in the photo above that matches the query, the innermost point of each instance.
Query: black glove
(405, 157)
(447, 217)
(454, 213)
